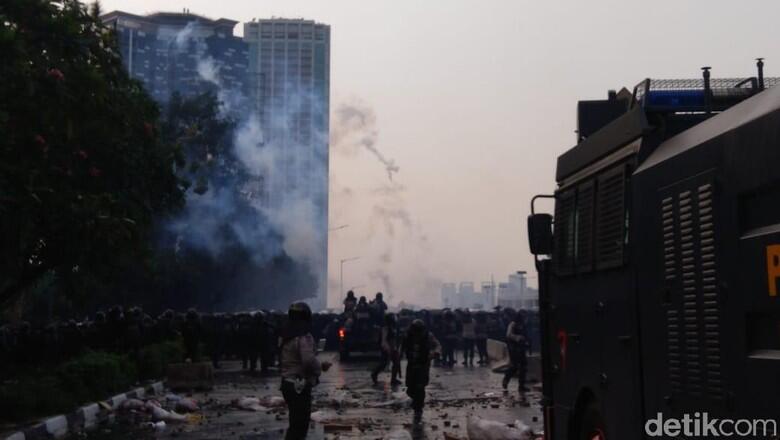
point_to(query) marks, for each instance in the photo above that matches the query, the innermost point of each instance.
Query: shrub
(154, 359)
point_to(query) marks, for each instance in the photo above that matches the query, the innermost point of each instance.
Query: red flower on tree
(149, 128)
(41, 143)
(56, 74)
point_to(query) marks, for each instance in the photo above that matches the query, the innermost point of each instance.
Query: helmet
(299, 311)
(417, 327)
(192, 315)
(379, 295)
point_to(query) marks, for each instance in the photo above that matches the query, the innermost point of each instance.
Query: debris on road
(159, 414)
(399, 434)
(187, 405)
(398, 399)
(131, 404)
(324, 415)
(249, 404)
(480, 429)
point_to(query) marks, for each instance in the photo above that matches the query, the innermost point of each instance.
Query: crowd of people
(288, 342)
(248, 336)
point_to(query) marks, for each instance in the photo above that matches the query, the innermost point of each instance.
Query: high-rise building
(167, 51)
(516, 294)
(281, 68)
(449, 296)
(289, 67)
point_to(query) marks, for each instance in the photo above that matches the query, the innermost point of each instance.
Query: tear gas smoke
(356, 126)
(249, 211)
(391, 225)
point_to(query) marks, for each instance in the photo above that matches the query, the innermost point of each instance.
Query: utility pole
(341, 273)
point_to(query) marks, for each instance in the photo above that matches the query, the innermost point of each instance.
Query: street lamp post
(341, 273)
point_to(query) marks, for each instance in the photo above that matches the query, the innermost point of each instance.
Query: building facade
(465, 296)
(289, 70)
(166, 52)
(516, 294)
(278, 73)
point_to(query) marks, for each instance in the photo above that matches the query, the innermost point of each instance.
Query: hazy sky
(474, 100)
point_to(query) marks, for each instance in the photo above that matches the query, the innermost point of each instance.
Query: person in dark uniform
(517, 344)
(245, 340)
(449, 338)
(350, 302)
(469, 335)
(259, 339)
(389, 347)
(300, 369)
(419, 346)
(191, 333)
(480, 330)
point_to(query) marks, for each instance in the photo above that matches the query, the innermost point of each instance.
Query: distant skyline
(474, 101)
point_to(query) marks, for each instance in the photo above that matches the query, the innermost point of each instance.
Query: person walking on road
(300, 369)
(517, 344)
(389, 347)
(419, 346)
(468, 336)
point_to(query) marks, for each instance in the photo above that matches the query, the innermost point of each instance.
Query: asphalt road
(351, 405)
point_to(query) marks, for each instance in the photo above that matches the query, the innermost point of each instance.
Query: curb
(84, 418)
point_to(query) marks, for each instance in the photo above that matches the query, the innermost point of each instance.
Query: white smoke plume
(356, 127)
(291, 224)
(399, 265)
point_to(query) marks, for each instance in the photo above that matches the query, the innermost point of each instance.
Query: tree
(83, 172)
(227, 274)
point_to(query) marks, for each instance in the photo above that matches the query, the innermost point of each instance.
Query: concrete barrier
(117, 400)
(156, 388)
(90, 415)
(57, 426)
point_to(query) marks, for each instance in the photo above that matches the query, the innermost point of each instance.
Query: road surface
(352, 405)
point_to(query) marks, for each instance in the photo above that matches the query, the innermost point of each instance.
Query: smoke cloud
(254, 208)
(397, 263)
(356, 127)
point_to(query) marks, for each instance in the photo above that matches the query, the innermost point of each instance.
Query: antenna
(705, 71)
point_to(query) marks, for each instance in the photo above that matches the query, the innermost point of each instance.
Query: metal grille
(693, 310)
(670, 274)
(564, 234)
(584, 251)
(610, 227)
(709, 292)
(716, 84)
(690, 316)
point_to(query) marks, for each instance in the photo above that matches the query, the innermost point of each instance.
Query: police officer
(419, 346)
(389, 347)
(517, 343)
(191, 333)
(350, 302)
(300, 369)
(449, 338)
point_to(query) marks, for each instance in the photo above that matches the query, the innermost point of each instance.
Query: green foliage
(89, 377)
(154, 359)
(83, 172)
(196, 126)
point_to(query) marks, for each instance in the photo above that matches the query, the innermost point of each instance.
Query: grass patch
(47, 390)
